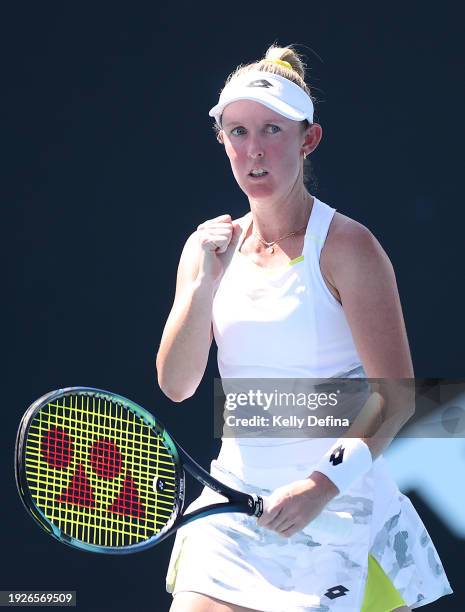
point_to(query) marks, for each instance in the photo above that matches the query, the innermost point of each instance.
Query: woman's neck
(273, 221)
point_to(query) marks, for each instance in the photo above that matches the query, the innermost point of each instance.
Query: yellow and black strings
(99, 472)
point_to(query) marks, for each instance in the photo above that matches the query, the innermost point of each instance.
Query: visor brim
(270, 102)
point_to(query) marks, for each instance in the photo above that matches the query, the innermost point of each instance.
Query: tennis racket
(100, 473)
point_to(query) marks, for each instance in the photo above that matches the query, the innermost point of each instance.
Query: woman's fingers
(225, 216)
(277, 521)
(288, 531)
(271, 512)
(289, 508)
(214, 241)
(222, 219)
(282, 524)
(215, 234)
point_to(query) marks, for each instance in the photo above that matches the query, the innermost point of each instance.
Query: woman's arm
(183, 352)
(365, 280)
(185, 344)
(362, 273)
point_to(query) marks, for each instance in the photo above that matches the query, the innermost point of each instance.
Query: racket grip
(257, 505)
(328, 525)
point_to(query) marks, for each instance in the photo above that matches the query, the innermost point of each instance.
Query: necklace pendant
(270, 249)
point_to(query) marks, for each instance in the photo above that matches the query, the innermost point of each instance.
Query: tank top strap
(315, 234)
(317, 230)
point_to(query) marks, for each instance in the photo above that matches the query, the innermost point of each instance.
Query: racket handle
(328, 525)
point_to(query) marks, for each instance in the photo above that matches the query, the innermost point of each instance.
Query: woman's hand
(214, 238)
(291, 507)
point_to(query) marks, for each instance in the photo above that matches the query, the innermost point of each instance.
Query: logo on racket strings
(101, 462)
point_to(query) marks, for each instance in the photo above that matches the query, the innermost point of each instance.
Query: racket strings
(99, 472)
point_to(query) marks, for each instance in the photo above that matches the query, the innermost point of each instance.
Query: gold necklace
(270, 245)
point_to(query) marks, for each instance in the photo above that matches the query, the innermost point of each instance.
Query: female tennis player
(292, 289)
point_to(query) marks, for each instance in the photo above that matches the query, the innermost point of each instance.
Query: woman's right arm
(185, 344)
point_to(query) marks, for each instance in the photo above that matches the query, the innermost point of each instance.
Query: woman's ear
(219, 137)
(312, 137)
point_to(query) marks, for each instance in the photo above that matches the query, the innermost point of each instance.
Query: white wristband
(346, 461)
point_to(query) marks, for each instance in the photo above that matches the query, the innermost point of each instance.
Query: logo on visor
(260, 83)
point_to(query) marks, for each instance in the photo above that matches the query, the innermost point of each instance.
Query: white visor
(271, 90)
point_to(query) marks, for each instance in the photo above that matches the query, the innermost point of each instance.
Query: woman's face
(257, 137)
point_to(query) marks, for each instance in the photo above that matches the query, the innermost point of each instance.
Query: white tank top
(282, 322)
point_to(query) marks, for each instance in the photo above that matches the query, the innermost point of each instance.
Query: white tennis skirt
(229, 557)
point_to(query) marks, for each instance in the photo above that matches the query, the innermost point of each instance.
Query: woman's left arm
(364, 277)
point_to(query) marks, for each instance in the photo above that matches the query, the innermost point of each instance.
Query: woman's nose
(256, 153)
(255, 148)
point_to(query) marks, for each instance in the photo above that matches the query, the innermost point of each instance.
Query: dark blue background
(110, 161)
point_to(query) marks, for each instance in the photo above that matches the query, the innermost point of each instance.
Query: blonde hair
(295, 73)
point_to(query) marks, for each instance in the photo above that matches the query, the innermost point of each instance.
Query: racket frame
(238, 501)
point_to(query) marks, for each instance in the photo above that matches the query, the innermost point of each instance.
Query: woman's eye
(237, 128)
(273, 130)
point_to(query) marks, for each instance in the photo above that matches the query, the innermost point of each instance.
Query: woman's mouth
(258, 175)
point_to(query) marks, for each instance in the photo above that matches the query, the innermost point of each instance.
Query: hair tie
(280, 62)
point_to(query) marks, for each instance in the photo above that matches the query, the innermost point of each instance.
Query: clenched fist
(214, 238)
(215, 234)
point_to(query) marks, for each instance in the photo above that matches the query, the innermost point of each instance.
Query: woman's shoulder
(346, 234)
(347, 239)
(345, 227)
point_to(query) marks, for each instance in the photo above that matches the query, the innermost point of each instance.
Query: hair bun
(288, 55)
